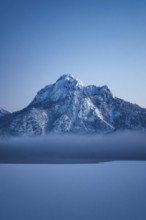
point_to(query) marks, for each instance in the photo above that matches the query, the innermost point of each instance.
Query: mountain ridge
(69, 107)
(3, 112)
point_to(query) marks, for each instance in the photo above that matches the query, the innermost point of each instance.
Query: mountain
(3, 112)
(67, 106)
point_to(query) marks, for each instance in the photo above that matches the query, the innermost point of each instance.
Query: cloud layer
(73, 149)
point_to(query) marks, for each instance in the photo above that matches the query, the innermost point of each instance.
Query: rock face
(69, 107)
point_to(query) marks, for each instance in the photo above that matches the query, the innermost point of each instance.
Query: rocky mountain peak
(70, 81)
(64, 86)
(67, 106)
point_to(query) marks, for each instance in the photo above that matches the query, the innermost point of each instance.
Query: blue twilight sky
(98, 41)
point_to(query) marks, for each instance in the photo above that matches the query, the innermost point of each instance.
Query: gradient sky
(98, 41)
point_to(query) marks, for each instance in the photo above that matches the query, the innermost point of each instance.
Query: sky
(101, 42)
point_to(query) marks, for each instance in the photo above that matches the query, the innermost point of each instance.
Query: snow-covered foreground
(104, 191)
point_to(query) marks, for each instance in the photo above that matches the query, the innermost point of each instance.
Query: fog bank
(73, 149)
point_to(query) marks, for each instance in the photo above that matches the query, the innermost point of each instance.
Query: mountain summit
(69, 107)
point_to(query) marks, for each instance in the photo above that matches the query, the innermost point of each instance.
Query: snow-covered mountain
(67, 106)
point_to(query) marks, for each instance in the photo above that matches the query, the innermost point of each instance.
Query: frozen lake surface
(111, 190)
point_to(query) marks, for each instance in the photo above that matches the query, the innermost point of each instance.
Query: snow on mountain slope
(63, 87)
(67, 106)
(3, 112)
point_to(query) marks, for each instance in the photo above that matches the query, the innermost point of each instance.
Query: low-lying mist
(73, 149)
